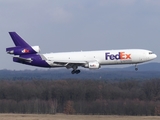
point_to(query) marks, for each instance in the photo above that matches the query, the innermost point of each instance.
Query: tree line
(127, 97)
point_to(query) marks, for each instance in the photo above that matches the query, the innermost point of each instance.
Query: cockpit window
(150, 52)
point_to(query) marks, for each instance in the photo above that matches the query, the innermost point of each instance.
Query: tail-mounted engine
(21, 50)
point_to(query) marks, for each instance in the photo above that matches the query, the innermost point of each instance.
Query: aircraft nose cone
(155, 56)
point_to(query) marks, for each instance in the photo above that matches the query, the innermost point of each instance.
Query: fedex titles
(119, 56)
(25, 51)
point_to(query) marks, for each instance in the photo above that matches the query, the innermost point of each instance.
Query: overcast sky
(74, 25)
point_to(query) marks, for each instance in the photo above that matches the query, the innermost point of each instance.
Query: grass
(73, 117)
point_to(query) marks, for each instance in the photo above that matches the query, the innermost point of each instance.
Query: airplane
(30, 55)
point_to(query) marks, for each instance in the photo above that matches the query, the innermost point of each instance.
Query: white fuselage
(103, 57)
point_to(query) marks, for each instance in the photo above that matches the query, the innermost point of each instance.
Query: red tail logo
(25, 51)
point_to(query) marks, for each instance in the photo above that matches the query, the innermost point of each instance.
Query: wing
(70, 63)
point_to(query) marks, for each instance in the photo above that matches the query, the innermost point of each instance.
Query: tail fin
(18, 41)
(21, 47)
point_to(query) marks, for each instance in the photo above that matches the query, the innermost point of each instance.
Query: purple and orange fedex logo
(25, 51)
(119, 56)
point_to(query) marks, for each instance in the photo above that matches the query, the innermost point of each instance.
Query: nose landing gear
(136, 68)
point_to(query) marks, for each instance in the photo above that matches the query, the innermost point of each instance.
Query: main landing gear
(75, 71)
(136, 68)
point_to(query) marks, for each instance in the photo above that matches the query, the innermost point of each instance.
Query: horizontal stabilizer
(21, 59)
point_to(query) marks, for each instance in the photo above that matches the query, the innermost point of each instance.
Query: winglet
(18, 41)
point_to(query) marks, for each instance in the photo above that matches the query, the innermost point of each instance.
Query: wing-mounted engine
(92, 65)
(23, 50)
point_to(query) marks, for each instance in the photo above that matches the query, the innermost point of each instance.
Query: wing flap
(70, 63)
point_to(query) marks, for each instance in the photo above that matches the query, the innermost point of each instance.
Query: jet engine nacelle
(93, 65)
(23, 50)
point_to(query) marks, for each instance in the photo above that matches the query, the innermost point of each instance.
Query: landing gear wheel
(78, 71)
(136, 68)
(75, 71)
